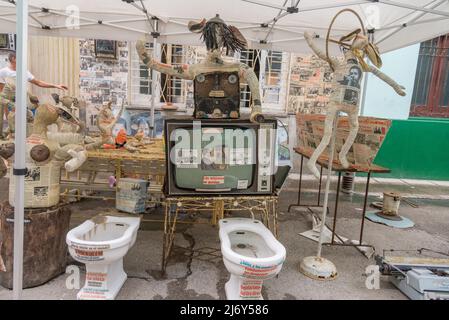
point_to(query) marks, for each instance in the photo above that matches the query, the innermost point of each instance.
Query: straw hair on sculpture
(346, 84)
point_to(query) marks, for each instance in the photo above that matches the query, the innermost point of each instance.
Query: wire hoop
(330, 28)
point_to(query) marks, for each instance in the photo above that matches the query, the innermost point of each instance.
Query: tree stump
(45, 248)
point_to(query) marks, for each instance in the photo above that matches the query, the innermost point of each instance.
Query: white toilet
(251, 254)
(101, 243)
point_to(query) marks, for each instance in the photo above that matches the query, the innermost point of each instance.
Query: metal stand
(263, 206)
(317, 267)
(298, 204)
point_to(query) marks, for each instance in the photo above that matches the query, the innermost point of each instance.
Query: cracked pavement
(195, 270)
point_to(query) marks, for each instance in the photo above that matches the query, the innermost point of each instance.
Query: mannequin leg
(353, 129)
(328, 127)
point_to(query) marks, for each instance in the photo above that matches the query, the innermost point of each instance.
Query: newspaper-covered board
(371, 134)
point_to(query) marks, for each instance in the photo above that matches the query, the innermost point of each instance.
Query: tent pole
(416, 8)
(156, 34)
(364, 90)
(20, 140)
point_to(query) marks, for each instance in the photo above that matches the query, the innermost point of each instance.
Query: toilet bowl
(101, 243)
(251, 254)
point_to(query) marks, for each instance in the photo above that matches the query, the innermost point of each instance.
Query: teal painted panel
(416, 149)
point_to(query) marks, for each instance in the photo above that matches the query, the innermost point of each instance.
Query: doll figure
(346, 83)
(216, 82)
(106, 122)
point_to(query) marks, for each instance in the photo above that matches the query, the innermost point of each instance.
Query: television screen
(218, 159)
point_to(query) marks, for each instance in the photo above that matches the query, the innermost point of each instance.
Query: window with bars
(140, 78)
(173, 88)
(431, 90)
(272, 84)
(252, 59)
(178, 91)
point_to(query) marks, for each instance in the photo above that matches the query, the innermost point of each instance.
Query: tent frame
(22, 25)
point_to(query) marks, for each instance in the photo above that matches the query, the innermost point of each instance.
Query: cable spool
(328, 39)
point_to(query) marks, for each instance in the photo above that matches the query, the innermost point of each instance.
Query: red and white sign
(251, 289)
(213, 180)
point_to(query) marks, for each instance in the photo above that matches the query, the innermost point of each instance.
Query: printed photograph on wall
(106, 49)
(4, 41)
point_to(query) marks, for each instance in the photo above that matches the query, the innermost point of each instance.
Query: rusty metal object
(217, 95)
(6, 150)
(40, 153)
(45, 249)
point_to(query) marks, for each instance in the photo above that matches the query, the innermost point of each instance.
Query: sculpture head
(361, 43)
(66, 101)
(217, 35)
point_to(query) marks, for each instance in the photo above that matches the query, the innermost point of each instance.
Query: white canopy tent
(267, 24)
(271, 24)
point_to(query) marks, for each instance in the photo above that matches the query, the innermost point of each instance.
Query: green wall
(417, 148)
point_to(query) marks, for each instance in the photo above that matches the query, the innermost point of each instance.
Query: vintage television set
(220, 157)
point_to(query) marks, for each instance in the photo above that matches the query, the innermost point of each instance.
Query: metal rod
(319, 186)
(334, 225)
(364, 206)
(276, 20)
(415, 8)
(153, 79)
(336, 5)
(14, 21)
(20, 142)
(328, 184)
(418, 16)
(364, 91)
(37, 20)
(266, 4)
(153, 26)
(103, 23)
(348, 245)
(299, 188)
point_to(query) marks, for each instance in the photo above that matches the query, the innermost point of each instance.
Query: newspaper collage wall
(102, 79)
(371, 134)
(310, 85)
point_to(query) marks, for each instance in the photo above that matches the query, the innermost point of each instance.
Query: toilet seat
(78, 234)
(228, 226)
(251, 254)
(101, 243)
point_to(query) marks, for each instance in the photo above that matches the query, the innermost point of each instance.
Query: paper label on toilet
(95, 288)
(89, 255)
(76, 245)
(258, 272)
(251, 289)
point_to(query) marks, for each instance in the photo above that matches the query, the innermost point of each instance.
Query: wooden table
(148, 163)
(336, 166)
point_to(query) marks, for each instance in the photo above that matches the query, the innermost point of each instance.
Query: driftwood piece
(45, 248)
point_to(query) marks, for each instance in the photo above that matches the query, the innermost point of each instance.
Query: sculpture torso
(347, 82)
